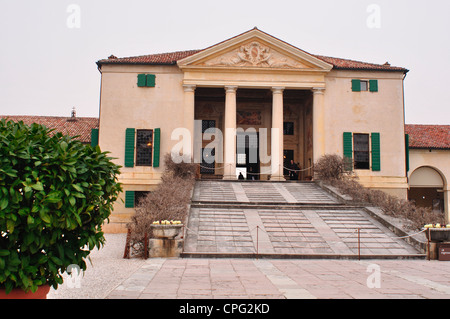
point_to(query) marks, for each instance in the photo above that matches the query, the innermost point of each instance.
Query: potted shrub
(161, 213)
(55, 195)
(437, 232)
(166, 229)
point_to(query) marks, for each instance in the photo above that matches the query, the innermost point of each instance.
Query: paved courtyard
(306, 242)
(111, 276)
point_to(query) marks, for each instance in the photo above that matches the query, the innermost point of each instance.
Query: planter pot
(166, 231)
(438, 234)
(41, 293)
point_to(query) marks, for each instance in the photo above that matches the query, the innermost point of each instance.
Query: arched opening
(427, 188)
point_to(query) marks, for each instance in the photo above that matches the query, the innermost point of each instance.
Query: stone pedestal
(432, 250)
(163, 247)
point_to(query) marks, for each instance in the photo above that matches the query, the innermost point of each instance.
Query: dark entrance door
(247, 155)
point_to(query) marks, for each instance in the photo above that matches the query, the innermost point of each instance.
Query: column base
(277, 178)
(229, 178)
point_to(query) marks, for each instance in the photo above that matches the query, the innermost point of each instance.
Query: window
(288, 128)
(364, 85)
(146, 80)
(138, 195)
(132, 198)
(361, 151)
(144, 143)
(140, 145)
(207, 124)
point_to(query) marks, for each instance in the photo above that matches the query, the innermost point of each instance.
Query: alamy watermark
(74, 18)
(374, 19)
(74, 278)
(190, 149)
(374, 279)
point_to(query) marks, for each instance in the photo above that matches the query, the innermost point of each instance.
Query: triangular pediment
(254, 49)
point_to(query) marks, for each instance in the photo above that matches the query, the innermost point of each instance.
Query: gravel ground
(108, 269)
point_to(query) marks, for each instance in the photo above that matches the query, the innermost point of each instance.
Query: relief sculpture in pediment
(254, 54)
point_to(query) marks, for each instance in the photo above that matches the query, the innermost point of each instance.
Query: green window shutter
(348, 151)
(376, 160)
(94, 137)
(407, 151)
(156, 146)
(129, 147)
(356, 85)
(141, 80)
(373, 85)
(151, 80)
(129, 199)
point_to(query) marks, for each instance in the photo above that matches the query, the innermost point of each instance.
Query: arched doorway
(427, 188)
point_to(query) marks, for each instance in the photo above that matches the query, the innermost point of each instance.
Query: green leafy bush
(55, 195)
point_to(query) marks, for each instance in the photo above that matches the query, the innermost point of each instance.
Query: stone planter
(166, 231)
(438, 234)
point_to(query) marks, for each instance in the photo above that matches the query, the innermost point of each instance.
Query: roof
(72, 126)
(428, 136)
(171, 58)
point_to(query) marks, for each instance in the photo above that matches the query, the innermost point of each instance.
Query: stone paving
(110, 276)
(302, 219)
(286, 279)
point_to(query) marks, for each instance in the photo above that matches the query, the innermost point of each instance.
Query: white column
(277, 135)
(188, 115)
(318, 124)
(230, 133)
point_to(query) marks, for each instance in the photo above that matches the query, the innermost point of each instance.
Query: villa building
(251, 104)
(287, 103)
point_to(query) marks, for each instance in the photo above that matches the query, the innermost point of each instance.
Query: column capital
(189, 87)
(277, 89)
(231, 88)
(318, 90)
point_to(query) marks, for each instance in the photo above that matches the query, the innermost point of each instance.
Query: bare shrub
(331, 167)
(169, 201)
(331, 170)
(182, 170)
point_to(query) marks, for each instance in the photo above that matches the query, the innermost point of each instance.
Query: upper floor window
(144, 141)
(288, 128)
(364, 85)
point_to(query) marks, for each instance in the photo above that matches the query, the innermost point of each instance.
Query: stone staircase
(283, 220)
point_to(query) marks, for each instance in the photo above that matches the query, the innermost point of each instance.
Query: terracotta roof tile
(345, 64)
(81, 126)
(171, 58)
(428, 136)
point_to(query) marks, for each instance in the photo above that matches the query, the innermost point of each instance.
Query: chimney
(73, 117)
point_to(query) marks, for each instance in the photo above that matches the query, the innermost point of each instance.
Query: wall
(367, 112)
(437, 159)
(124, 105)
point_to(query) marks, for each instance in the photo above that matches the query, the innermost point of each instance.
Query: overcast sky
(49, 47)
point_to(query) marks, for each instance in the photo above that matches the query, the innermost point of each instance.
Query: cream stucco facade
(430, 169)
(255, 80)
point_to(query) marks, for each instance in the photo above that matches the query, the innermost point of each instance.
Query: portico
(257, 61)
